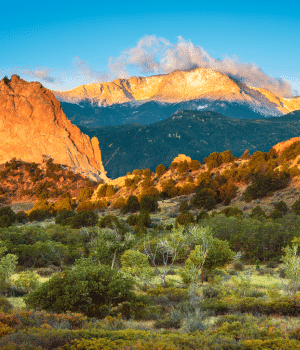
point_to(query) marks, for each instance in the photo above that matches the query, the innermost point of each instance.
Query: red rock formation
(32, 124)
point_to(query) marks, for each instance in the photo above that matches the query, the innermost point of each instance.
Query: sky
(64, 44)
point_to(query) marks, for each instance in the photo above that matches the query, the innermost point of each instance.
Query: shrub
(119, 203)
(184, 206)
(281, 206)
(238, 266)
(272, 264)
(296, 207)
(7, 211)
(43, 205)
(39, 215)
(90, 290)
(61, 218)
(227, 157)
(160, 170)
(137, 172)
(5, 305)
(21, 217)
(168, 322)
(213, 160)
(101, 192)
(194, 165)
(147, 172)
(183, 167)
(84, 219)
(85, 206)
(202, 215)
(132, 205)
(211, 292)
(84, 194)
(187, 188)
(5, 221)
(100, 204)
(150, 191)
(144, 219)
(148, 204)
(185, 218)
(110, 191)
(64, 204)
(27, 281)
(276, 214)
(232, 211)
(257, 212)
(132, 220)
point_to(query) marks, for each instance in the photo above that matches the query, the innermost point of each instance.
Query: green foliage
(64, 204)
(296, 207)
(185, 218)
(281, 206)
(91, 290)
(276, 214)
(257, 212)
(5, 305)
(231, 211)
(7, 217)
(8, 264)
(65, 217)
(183, 206)
(27, 281)
(148, 204)
(132, 205)
(39, 215)
(21, 217)
(133, 219)
(84, 219)
(137, 265)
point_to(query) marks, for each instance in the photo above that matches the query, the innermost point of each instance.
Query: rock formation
(198, 83)
(32, 124)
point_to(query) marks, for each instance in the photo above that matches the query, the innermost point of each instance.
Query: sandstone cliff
(198, 83)
(32, 124)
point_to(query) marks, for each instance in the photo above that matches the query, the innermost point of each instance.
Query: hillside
(193, 133)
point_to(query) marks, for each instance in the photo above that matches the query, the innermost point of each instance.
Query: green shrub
(184, 205)
(133, 219)
(211, 292)
(281, 206)
(21, 217)
(91, 291)
(85, 206)
(185, 218)
(5, 305)
(39, 215)
(213, 160)
(257, 212)
(272, 264)
(231, 211)
(276, 214)
(132, 205)
(7, 217)
(84, 219)
(239, 266)
(202, 215)
(148, 204)
(27, 281)
(101, 192)
(61, 218)
(64, 204)
(296, 207)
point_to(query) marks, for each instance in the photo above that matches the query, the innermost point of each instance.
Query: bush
(194, 165)
(184, 206)
(109, 221)
(272, 264)
(183, 167)
(187, 188)
(5, 305)
(137, 172)
(64, 204)
(27, 281)
(213, 160)
(238, 266)
(85, 206)
(84, 194)
(296, 207)
(101, 192)
(160, 170)
(21, 217)
(91, 290)
(132, 205)
(119, 203)
(211, 292)
(61, 218)
(232, 211)
(39, 215)
(110, 191)
(132, 220)
(84, 219)
(185, 218)
(202, 215)
(281, 206)
(148, 204)
(276, 214)
(257, 212)
(10, 216)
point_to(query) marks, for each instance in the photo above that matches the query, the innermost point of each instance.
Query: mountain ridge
(178, 86)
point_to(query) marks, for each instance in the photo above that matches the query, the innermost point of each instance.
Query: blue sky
(64, 44)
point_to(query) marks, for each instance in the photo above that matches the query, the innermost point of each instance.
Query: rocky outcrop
(178, 86)
(33, 125)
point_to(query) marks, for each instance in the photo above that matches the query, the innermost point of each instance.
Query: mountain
(147, 100)
(193, 133)
(33, 125)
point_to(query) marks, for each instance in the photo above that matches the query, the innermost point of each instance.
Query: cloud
(153, 55)
(89, 74)
(43, 74)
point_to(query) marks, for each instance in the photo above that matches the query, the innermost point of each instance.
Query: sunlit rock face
(198, 83)
(32, 124)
